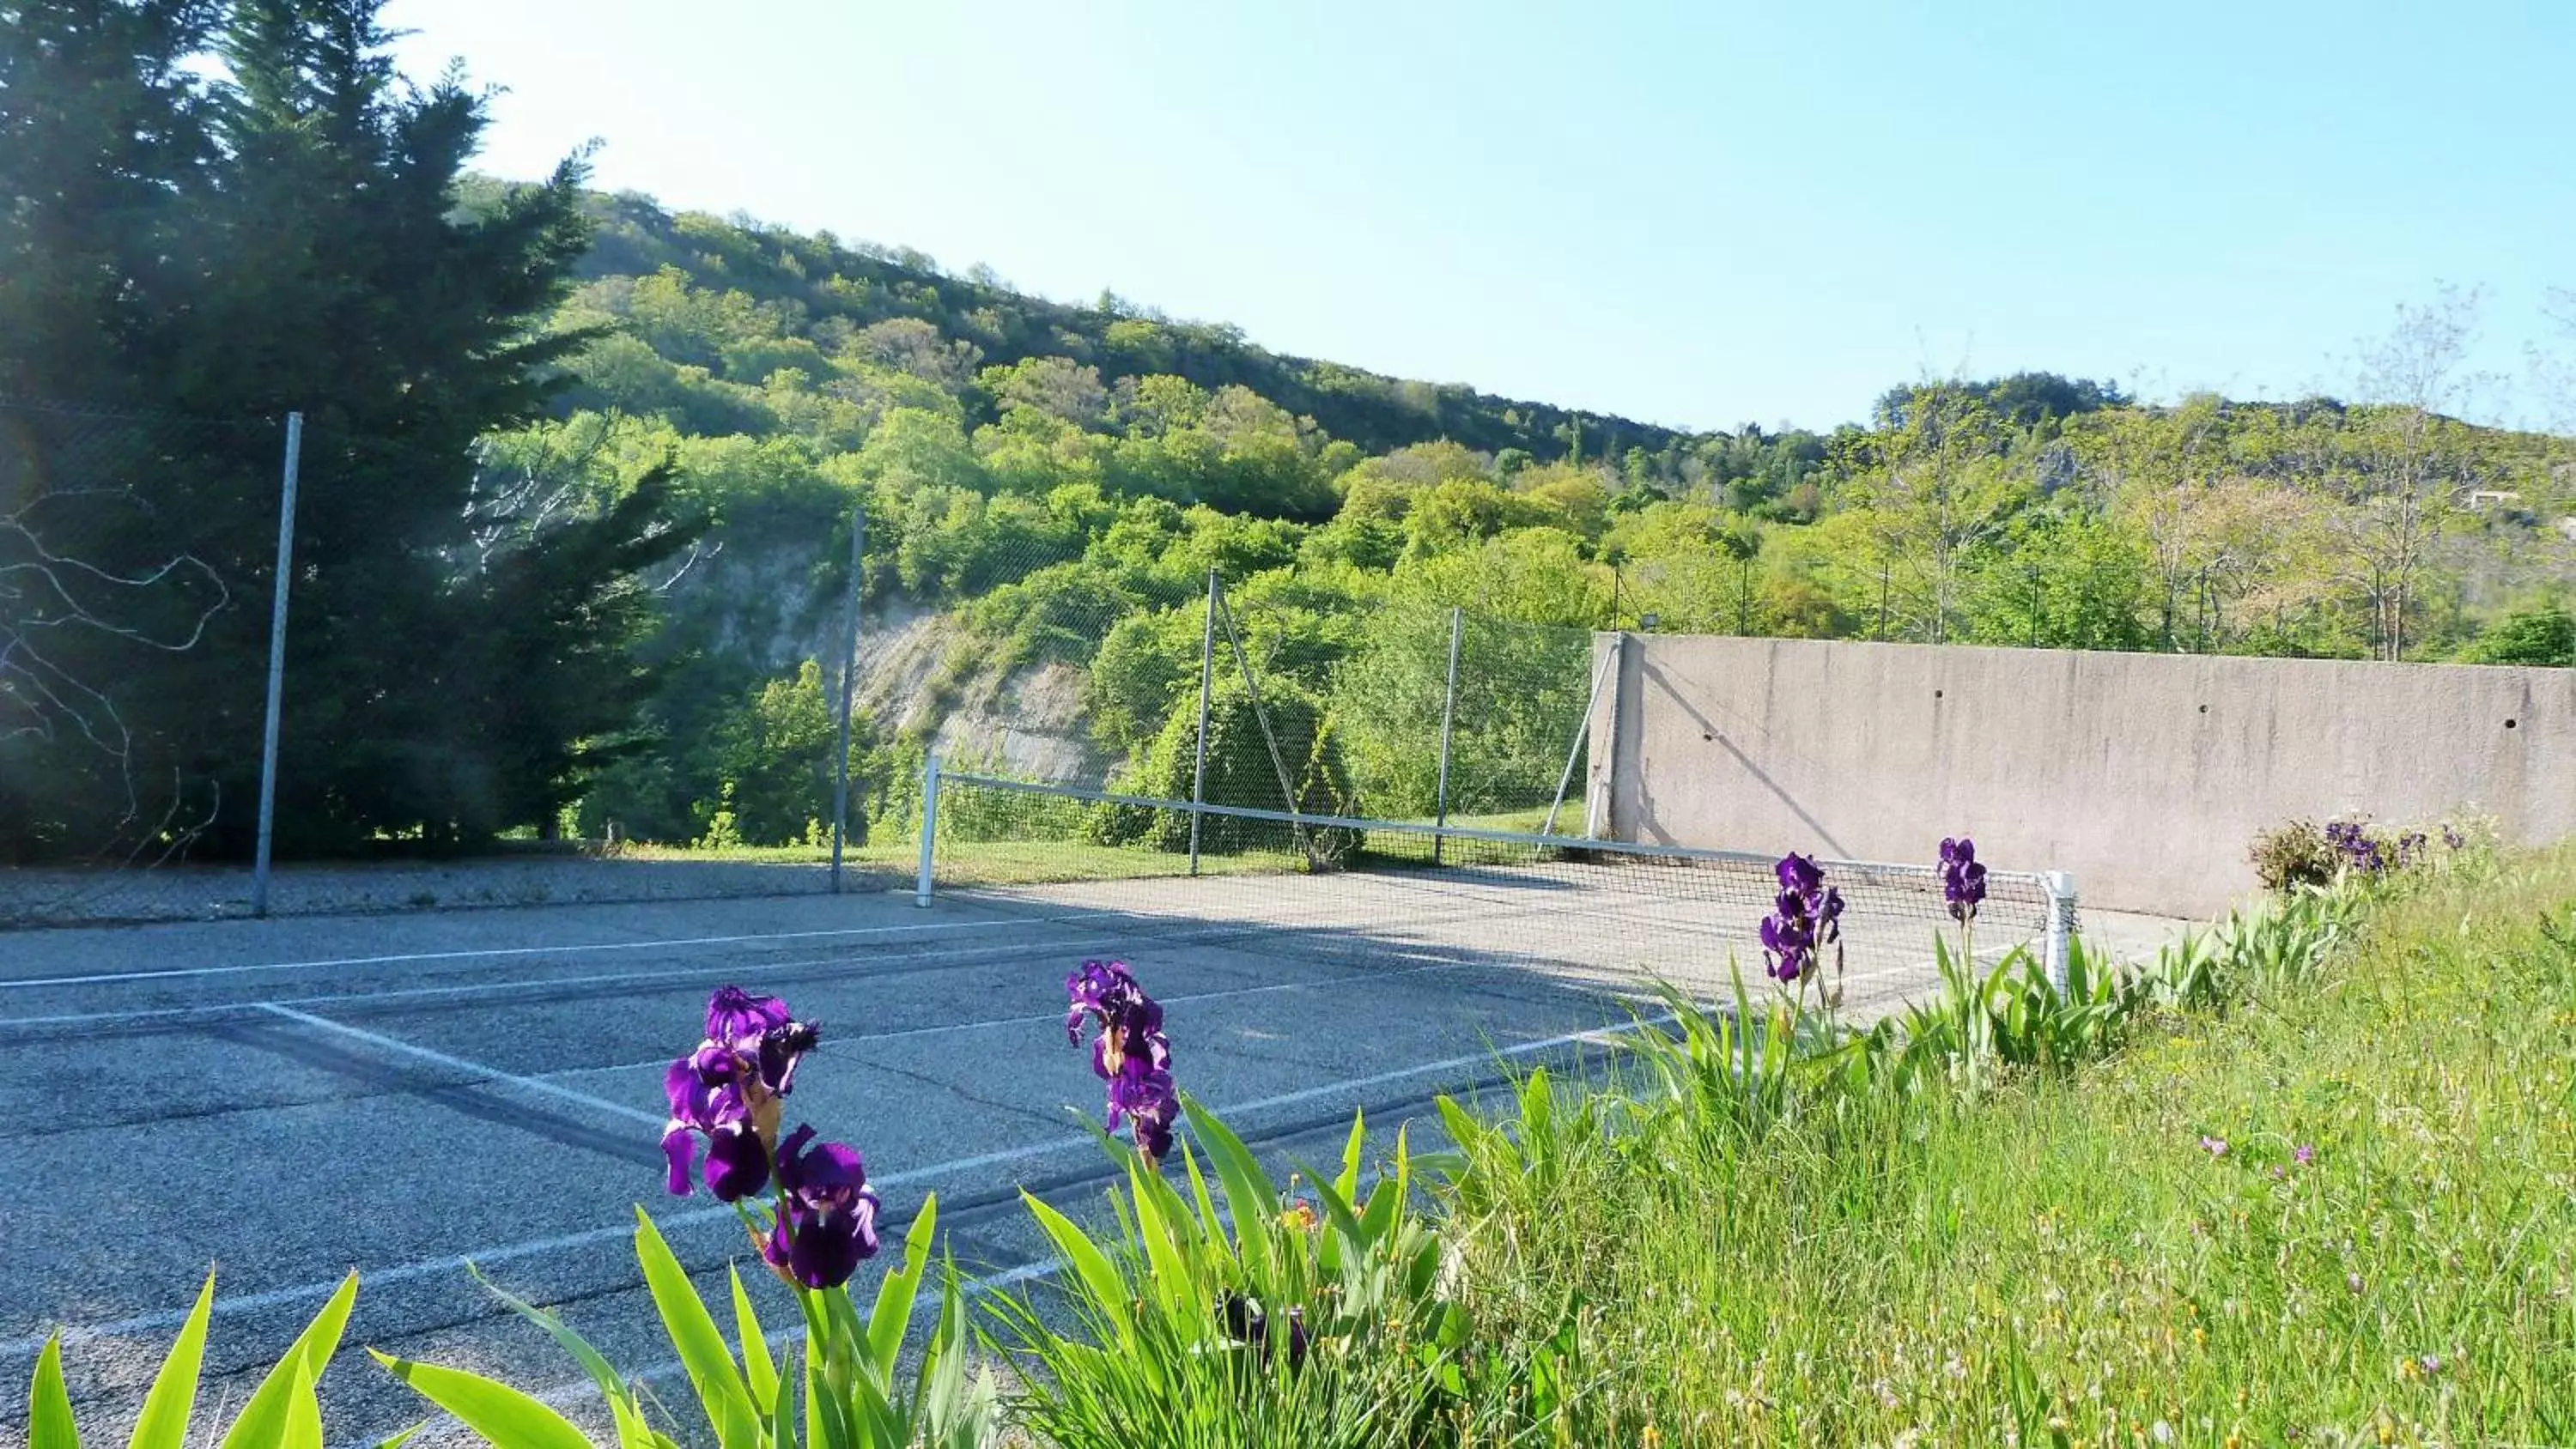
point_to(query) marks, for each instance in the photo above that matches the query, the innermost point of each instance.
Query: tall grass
(1302, 1319)
(2130, 1252)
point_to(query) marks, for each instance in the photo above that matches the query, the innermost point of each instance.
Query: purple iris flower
(727, 1091)
(734, 1014)
(827, 1218)
(1144, 1095)
(2362, 852)
(1805, 918)
(1131, 1053)
(737, 1158)
(1248, 1324)
(1963, 879)
(1130, 1021)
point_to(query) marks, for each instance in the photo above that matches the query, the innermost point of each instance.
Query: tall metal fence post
(1207, 682)
(2061, 927)
(1596, 798)
(1448, 716)
(276, 665)
(1583, 731)
(849, 685)
(929, 825)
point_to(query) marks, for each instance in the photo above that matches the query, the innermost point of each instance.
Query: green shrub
(776, 750)
(1145, 663)
(1242, 770)
(2544, 636)
(2295, 854)
(1057, 614)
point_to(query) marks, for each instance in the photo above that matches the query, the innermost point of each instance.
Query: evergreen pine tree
(291, 237)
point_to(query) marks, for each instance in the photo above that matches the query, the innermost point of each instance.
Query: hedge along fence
(1248, 749)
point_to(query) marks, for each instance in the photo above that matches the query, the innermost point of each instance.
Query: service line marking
(177, 973)
(482, 1074)
(834, 1042)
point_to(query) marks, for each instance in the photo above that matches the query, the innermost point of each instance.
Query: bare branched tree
(2400, 486)
(55, 607)
(1937, 490)
(552, 476)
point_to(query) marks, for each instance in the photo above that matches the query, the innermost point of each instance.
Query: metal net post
(1582, 734)
(1207, 680)
(1448, 722)
(2061, 926)
(849, 685)
(929, 826)
(276, 665)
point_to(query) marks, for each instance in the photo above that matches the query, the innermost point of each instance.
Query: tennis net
(1355, 889)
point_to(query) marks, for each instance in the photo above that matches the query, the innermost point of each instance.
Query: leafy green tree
(107, 150)
(1242, 769)
(776, 759)
(1936, 489)
(1387, 697)
(1061, 613)
(1531, 575)
(1052, 387)
(1145, 664)
(912, 449)
(1466, 511)
(2068, 580)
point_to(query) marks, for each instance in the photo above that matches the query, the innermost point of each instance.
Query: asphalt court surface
(291, 1099)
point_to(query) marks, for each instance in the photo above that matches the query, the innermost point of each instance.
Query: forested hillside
(1049, 484)
(579, 478)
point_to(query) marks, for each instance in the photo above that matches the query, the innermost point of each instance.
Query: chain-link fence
(807, 652)
(1420, 713)
(130, 725)
(1399, 893)
(167, 709)
(1263, 697)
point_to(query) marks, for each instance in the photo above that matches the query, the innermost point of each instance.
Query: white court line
(193, 972)
(480, 1071)
(360, 998)
(832, 1042)
(1155, 934)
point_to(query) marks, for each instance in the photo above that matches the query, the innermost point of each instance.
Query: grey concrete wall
(2147, 775)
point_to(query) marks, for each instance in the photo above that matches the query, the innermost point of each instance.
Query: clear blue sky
(1699, 214)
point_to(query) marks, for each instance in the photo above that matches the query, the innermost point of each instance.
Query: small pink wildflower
(2214, 1146)
(2305, 1154)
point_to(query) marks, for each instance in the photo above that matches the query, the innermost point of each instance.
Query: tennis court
(405, 1094)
